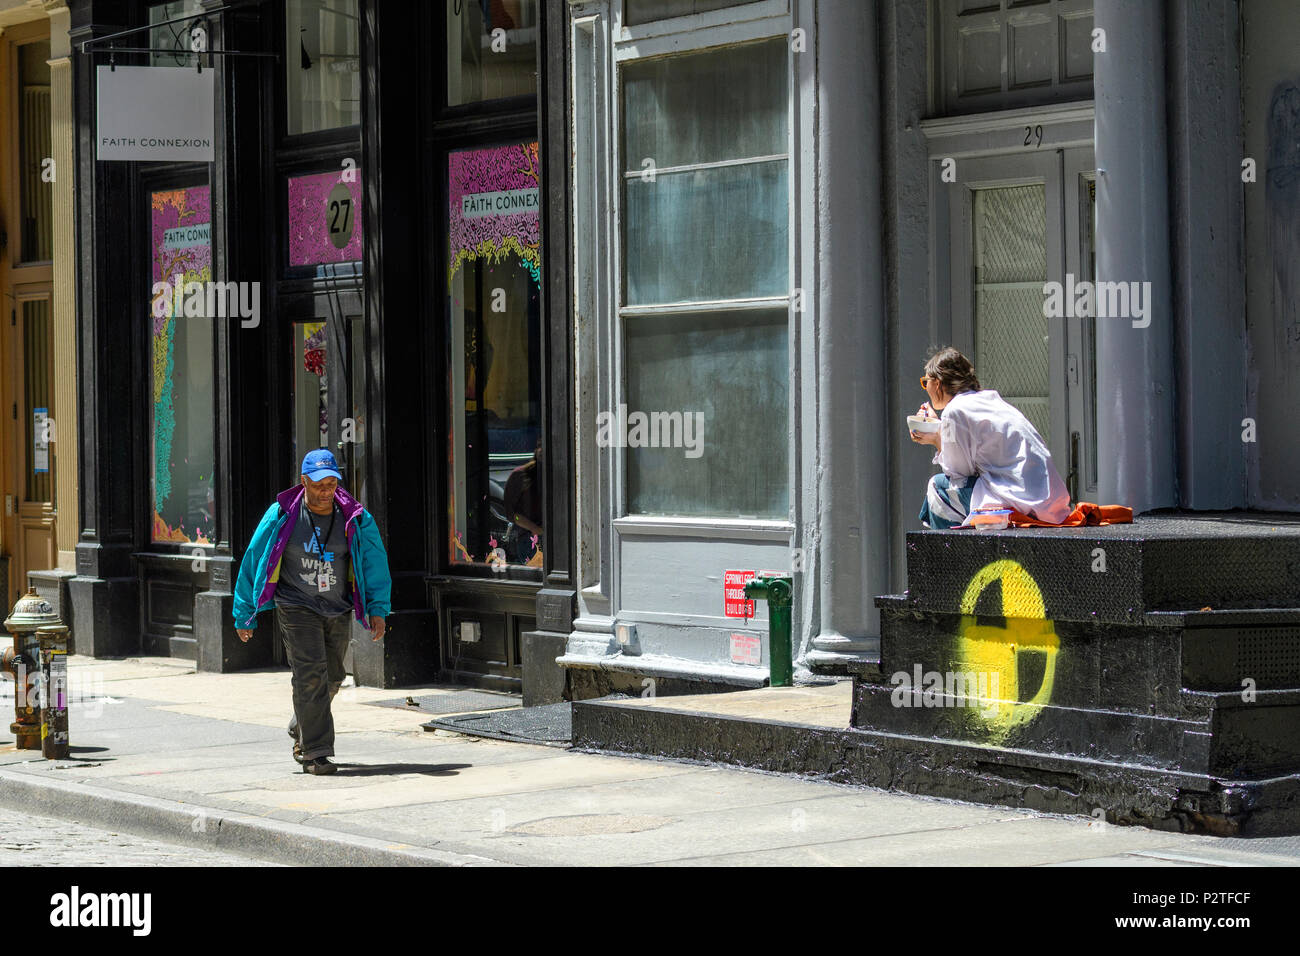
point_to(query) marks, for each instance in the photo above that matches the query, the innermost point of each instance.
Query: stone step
(1110, 574)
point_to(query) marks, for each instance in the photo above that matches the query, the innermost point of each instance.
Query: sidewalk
(204, 760)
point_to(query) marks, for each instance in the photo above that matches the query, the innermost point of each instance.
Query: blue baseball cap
(320, 464)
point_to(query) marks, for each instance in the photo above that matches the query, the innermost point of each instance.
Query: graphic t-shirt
(314, 569)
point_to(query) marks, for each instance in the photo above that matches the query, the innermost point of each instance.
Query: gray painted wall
(1206, 196)
(906, 222)
(1271, 106)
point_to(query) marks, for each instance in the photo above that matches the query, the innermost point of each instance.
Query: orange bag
(1084, 513)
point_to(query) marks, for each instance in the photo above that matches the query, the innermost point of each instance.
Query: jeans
(947, 501)
(315, 646)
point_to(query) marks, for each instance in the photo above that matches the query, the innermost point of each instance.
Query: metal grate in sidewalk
(550, 725)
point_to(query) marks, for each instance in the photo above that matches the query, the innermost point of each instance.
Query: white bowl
(924, 425)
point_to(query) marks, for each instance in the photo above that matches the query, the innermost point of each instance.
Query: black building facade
(386, 235)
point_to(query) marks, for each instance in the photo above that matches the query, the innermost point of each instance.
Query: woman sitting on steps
(991, 456)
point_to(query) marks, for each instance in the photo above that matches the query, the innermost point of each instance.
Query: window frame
(598, 43)
(188, 176)
(319, 141)
(499, 134)
(707, 31)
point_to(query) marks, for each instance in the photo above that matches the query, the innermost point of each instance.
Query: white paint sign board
(154, 113)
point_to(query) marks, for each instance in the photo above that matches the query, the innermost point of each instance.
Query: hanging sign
(154, 113)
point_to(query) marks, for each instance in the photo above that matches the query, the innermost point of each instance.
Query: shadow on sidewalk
(393, 769)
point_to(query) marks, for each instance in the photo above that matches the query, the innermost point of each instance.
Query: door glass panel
(310, 388)
(714, 436)
(483, 64)
(1009, 259)
(37, 243)
(171, 42)
(184, 414)
(37, 396)
(322, 65)
(494, 316)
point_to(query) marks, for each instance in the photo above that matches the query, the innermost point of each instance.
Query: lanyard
(315, 531)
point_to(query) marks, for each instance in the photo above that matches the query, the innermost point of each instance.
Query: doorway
(1018, 222)
(327, 385)
(28, 437)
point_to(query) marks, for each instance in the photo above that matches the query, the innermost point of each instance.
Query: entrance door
(327, 385)
(1019, 222)
(35, 510)
(327, 390)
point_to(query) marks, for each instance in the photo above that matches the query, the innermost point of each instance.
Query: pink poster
(325, 218)
(183, 452)
(495, 197)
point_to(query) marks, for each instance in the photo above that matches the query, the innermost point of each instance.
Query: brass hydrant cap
(30, 612)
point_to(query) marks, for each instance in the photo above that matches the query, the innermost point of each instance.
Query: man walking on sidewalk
(315, 556)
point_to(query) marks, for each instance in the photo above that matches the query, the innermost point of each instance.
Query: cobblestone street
(26, 840)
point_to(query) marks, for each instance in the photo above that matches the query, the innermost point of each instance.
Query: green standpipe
(778, 592)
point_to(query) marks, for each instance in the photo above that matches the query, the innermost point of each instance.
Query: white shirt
(985, 436)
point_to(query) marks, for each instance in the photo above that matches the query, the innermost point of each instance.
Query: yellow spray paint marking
(996, 650)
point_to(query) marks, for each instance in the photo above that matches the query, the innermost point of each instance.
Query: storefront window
(183, 410)
(706, 232)
(491, 50)
(322, 65)
(494, 284)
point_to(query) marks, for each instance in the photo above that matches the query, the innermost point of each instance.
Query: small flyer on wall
(41, 441)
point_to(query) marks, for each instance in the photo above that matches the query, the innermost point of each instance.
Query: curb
(230, 831)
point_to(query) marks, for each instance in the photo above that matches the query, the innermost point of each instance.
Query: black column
(399, 459)
(245, 469)
(543, 680)
(111, 418)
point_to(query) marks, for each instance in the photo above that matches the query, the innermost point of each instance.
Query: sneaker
(318, 766)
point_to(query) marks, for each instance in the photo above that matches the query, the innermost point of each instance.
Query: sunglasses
(924, 379)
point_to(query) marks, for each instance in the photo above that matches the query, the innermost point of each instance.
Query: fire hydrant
(23, 661)
(779, 594)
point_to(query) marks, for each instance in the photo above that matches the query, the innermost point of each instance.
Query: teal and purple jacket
(259, 572)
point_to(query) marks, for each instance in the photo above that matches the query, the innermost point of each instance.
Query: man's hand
(377, 625)
(244, 634)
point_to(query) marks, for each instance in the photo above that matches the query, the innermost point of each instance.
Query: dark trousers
(315, 646)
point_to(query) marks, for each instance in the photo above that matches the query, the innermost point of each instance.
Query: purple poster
(325, 218)
(495, 206)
